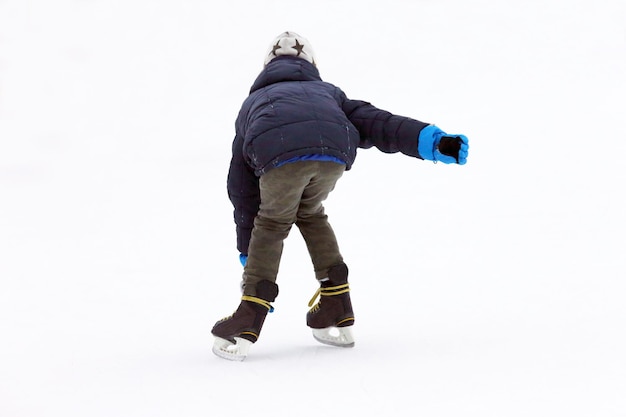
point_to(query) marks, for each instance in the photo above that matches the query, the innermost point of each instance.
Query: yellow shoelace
(329, 291)
(258, 301)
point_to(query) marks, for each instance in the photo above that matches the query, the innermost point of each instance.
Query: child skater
(295, 137)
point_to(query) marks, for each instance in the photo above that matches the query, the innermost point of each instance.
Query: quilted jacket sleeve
(387, 132)
(243, 191)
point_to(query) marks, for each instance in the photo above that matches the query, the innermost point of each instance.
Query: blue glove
(436, 145)
(243, 259)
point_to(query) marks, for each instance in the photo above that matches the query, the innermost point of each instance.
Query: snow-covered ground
(493, 289)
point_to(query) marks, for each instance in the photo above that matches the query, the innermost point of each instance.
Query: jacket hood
(286, 68)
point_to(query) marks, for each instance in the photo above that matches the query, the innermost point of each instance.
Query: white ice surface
(493, 289)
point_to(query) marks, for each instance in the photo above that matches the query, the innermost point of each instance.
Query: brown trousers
(293, 194)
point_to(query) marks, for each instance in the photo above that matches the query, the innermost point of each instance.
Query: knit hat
(290, 43)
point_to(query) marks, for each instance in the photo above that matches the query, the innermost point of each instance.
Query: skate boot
(235, 334)
(332, 318)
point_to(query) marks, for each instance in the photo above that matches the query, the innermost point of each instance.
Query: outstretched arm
(392, 133)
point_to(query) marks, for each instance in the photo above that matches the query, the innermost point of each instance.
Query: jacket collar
(286, 68)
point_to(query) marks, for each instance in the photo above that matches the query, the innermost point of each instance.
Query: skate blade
(233, 352)
(335, 336)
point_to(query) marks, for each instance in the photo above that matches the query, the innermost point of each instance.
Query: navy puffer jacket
(292, 113)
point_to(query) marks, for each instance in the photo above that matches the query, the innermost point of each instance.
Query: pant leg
(281, 190)
(313, 222)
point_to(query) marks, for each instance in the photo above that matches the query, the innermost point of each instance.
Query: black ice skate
(332, 318)
(235, 334)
